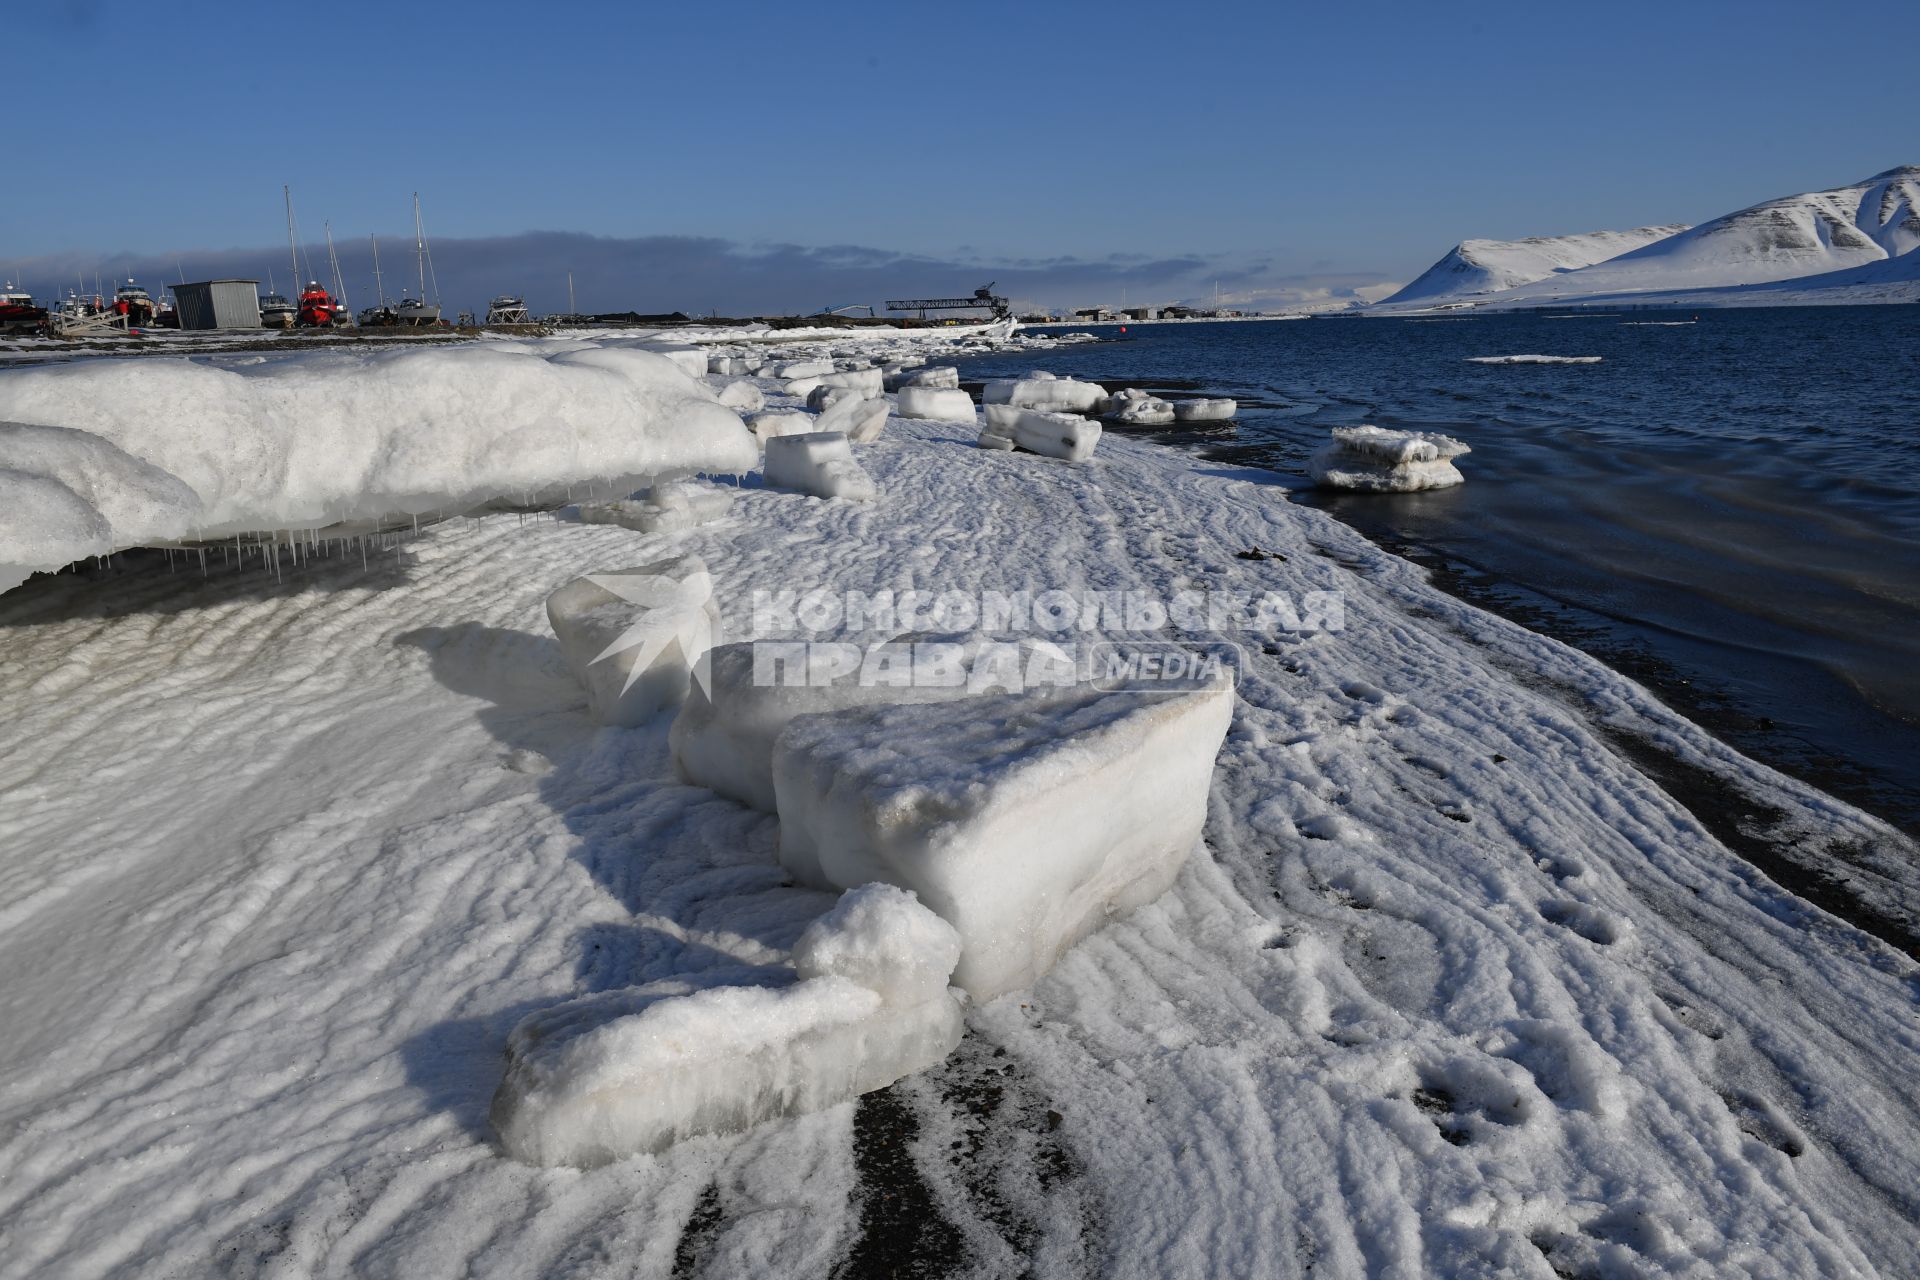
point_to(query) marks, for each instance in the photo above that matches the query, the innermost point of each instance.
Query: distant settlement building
(218, 304)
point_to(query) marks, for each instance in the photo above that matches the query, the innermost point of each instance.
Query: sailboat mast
(293, 250)
(380, 292)
(333, 264)
(570, 306)
(419, 247)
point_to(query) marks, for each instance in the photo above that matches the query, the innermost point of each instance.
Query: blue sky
(792, 150)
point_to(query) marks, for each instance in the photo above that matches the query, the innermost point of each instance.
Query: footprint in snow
(1590, 922)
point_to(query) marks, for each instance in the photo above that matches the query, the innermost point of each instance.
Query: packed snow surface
(1452, 987)
(634, 1071)
(165, 450)
(1024, 820)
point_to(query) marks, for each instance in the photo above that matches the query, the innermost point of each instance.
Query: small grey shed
(218, 304)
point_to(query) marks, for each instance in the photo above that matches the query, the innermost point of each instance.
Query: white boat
(276, 312)
(506, 309)
(418, 311)
(415, 311)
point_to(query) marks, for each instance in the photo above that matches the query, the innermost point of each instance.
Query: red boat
(18, 314)
(316, 309)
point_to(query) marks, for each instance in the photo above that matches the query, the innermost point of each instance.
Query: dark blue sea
(1726, 508)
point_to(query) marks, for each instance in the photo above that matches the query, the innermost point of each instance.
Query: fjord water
(1726, 507)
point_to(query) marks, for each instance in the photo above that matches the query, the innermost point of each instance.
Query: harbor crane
(982, 297)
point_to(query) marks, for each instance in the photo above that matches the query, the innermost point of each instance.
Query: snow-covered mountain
(1859, 242)
(1864, 224)
(1488, 266)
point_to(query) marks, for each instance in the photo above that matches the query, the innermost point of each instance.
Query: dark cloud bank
(700, 274)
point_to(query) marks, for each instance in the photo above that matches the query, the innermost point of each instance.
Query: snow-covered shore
(1452, 989)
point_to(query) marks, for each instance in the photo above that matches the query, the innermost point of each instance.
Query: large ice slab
(930, 376)
(724, 736)
(742, 397)
(1372, 459)
(1136, 408)
(1044, 391)
(819, 463)
(1025, 820)
(862, 420)
(321, 437)
(634, 636)
(1056, 435)
(1218, 410)
(672, 506)
(634, 1071)
(941, 404)
(765, 426)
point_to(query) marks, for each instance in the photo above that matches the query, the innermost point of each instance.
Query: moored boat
(317, 308)
(276, 312)
(18, 314)
(133, 302)
(507, 309)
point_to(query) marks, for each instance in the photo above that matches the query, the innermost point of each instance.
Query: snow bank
(723, 738)
(1024, 820)
(174, 450)
(671, 507)
(941, 404)
(818, 463)
(630, 1072)
(633, 637)
(1057, 435)
(1044, 391)
(1374, 460)
(1204, 410)
(1534, 359)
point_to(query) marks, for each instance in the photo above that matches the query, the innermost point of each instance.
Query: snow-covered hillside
(1488, 266)
(1855, 243)
(1860, 225)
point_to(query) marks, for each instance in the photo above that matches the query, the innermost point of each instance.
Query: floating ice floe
(1204, 410)
(1025, 820)
(723, 738)
(1533, 359)
(1136, 408)
(741, 397)
(633, 637)
(803, 369)
(941, 404)
(635, 1071)
(1374, 460)
(861, 420)
(1043, 391)
(820, 463)
(189, 450)
(1056, 435)
(671, 507)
